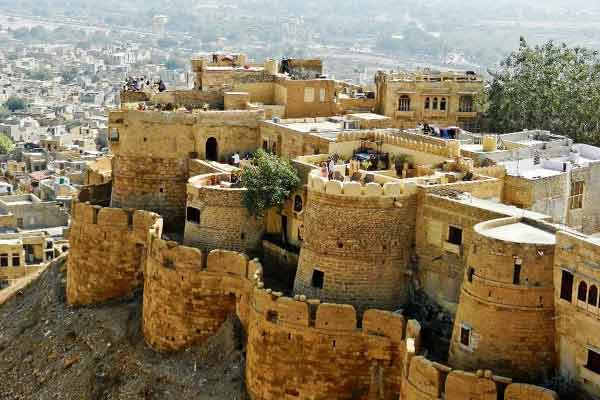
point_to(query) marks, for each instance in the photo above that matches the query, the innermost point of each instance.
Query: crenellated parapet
(429, 380)
(107, 252)
(357, 243)
(188, 295)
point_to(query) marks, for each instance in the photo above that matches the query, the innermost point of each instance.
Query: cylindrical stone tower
(216, 217)
(357, 242)
(505, 314)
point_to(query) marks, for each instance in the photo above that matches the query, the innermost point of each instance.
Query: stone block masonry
(107, 252)
(357, 244)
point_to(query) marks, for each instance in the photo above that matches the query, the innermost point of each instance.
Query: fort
(334, 289)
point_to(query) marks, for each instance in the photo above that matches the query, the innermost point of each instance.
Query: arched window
(443, 104)
(404, 103)
(593, 296)
(274, 148)
(435, 103)
(298, 203)
(427, 103)
(582, 291)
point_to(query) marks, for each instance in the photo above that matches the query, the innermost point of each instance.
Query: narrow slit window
(318, 279)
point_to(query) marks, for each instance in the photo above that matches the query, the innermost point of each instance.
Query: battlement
(106, 251)
(428, 380)
(317, 183)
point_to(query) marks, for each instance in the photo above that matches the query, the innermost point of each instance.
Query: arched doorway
(212, 149)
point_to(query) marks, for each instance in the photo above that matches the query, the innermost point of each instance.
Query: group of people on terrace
(137, 84)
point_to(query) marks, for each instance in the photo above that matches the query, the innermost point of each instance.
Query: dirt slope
(49, 350)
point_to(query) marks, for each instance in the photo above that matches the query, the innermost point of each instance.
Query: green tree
(550, 86)
(15, 103)
(269, 182)
(6, 144)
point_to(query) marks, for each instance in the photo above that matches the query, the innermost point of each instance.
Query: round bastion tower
(504, 320)
(357, 243)
(216, 217)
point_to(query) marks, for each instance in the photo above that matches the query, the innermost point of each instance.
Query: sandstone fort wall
(107, 252)
(358, 239)
(428, 380)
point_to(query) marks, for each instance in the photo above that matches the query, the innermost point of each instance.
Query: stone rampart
(428, 380)
(303, 349)
(187, 296)
(107, 252)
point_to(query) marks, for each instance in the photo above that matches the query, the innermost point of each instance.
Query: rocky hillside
(49, 350)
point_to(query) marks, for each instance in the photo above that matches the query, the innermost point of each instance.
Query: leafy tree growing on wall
(6, 144)
(550, 86)
(269, 182)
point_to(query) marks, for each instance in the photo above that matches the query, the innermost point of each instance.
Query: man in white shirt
(236, 159)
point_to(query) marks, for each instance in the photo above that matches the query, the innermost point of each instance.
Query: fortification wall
(428, 380)
(357, 243)
(187, 297)
(107, 252)
(508, 281)
(224, 222)
(306, 350)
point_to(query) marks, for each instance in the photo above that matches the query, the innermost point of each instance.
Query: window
(298, 203)
(593, 295)
(566, 286)
(193, 215)
(265, 145)
(466, 104)
(443, 104)
(427, 103)
(404, 103)
(576, 197)
(470, 273)
(435, 103)
(16, 260)
(317, 279)
(3, 260)
(309, 95)
(455, 235)
(465, 335)
(517, 271)
(582, 291)
(322, 95)
(593, 361)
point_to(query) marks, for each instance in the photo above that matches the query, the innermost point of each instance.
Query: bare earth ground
(49, 350)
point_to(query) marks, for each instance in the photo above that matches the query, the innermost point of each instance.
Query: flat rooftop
(490, 205)
(520, 232)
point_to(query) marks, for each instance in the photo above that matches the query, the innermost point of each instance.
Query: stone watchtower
(505, 316)
(357, 240)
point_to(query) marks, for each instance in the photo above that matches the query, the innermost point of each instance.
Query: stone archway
(212, 149)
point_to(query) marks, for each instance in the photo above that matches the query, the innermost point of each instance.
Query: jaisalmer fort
(414, 260)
